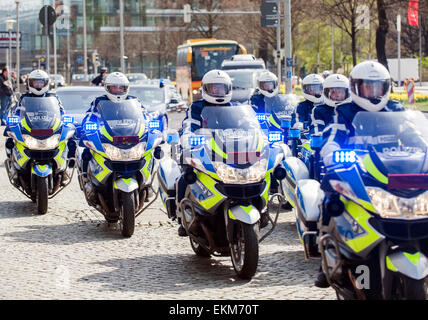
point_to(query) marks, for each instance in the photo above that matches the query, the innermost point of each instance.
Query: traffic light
(96, 59)
(270, 12)
(187, 13)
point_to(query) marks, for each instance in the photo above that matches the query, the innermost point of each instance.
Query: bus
(198, 56)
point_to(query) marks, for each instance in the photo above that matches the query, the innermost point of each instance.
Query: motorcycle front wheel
(406, 288)
(244, 249)
(42, 195)
(127, 215)
(198, 249)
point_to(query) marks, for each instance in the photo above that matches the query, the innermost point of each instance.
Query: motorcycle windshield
(399, 139)
(41, 112)
(122, 118)
(279, 106)
(233, 135)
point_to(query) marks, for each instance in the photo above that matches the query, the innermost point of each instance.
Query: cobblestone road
(71, 253)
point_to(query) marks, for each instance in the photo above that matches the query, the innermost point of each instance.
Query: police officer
(267, 86)
(116, 86)
(312, 86)
(216, 92)
(99, 80)
(370, 85)
(335, 93)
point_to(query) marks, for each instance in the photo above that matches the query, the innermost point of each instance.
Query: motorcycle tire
(42, 195)
(198, 249)
(244, 250)
(127, 215)
(410, 289)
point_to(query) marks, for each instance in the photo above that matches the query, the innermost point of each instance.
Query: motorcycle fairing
(363, 236)
(414, 266)
(205, 192)
(247, 214)
(98, 168)
(126, 185)
(41, 170)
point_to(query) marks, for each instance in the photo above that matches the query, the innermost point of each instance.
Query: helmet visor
(336, 94)
(370, 89)
(117, 90)
(217, 89)
(268, 86)
(38, 83)
(313, 89)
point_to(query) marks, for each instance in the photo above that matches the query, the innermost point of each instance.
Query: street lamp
(18, 59)
(9, 27)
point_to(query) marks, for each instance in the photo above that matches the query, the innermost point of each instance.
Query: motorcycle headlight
(229, 174)
(388, 205)
(117, 154)
(41, 144)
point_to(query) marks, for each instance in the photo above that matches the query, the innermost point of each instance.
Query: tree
(381, 32)
(344, 15)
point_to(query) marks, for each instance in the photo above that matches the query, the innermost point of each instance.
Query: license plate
(408, 181)
(42, 132)
(126, 140)
(243, 157)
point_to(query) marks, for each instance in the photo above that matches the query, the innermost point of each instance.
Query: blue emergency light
(262, 117)
(12, 120)
(294, 133)
(286, 123)
(67, 119)
(275, 136)
(316, 141)
(154, 124)
(345, 156)
(91, 126)
(196, 141)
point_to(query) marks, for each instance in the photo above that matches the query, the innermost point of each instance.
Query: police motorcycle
(373, 207)
(277, 121)
(231, 163)
(122, 148)
(37, 161)
(301, 162)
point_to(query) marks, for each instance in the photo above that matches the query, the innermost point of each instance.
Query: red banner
(413, 12)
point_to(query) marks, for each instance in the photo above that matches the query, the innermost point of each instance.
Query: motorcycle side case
(168, 174)
(309, 198)
(296, 171)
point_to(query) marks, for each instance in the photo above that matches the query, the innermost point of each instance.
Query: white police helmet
(336, 90)
(38, 82)
(267, 84)
(116, 86)
(370, 85)
(216, 87)
(312, 86)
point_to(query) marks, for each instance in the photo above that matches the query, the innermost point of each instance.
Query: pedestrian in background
(6, 91)
(99, 80)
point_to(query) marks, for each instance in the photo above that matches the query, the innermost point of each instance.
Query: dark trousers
(4, 101)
